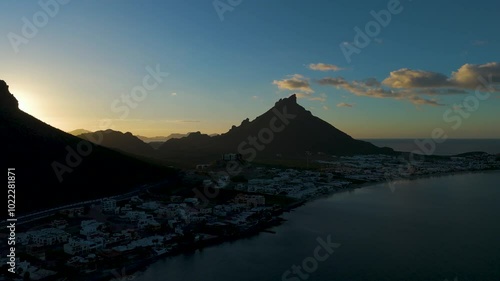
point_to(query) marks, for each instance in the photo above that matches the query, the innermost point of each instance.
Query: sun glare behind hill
(29, 103)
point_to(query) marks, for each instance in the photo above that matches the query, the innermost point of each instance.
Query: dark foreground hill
(53, 167)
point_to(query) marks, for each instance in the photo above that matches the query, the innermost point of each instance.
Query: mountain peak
(7, 100)
(285, 101)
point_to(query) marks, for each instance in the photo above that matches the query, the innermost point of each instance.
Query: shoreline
(141, 266)
(356, 186)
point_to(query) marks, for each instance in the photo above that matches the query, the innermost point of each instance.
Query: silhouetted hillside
(125, 142)
(53, 167)
(286, 130)
(156, 144)
(161, 138)
(78, 132)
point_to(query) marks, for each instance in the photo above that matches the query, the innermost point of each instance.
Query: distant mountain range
(125, 142)
(157, 139)
(53, 167)
(78, 132)
(161, 138)
(270, 135)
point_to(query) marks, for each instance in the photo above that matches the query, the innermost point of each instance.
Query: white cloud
(374, 90)
(468, 76)
(324, 67)
(296, 82)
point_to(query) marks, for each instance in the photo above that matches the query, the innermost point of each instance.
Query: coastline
(354, 186)
(141, 265)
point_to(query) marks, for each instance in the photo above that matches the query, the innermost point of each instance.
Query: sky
(374, 69)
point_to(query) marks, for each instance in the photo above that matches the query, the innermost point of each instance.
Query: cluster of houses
(85, 239)
(340, 172)
(376, 168)
(293, 183)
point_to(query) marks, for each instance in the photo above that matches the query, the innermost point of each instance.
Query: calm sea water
(449, 147)
(428, 229)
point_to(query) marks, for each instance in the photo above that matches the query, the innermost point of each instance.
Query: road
(49, 212)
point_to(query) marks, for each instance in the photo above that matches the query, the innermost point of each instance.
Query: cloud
(372, 88)
(296, 82)
(324, 67)
(471, 76)
(419, 87)
(435, 92)
(173, 94)
(343, 104)
(255, 97)
(485, 77)
(417, 100)
(325, 107)
(371, 82)
(332, 81)
(407, 78)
